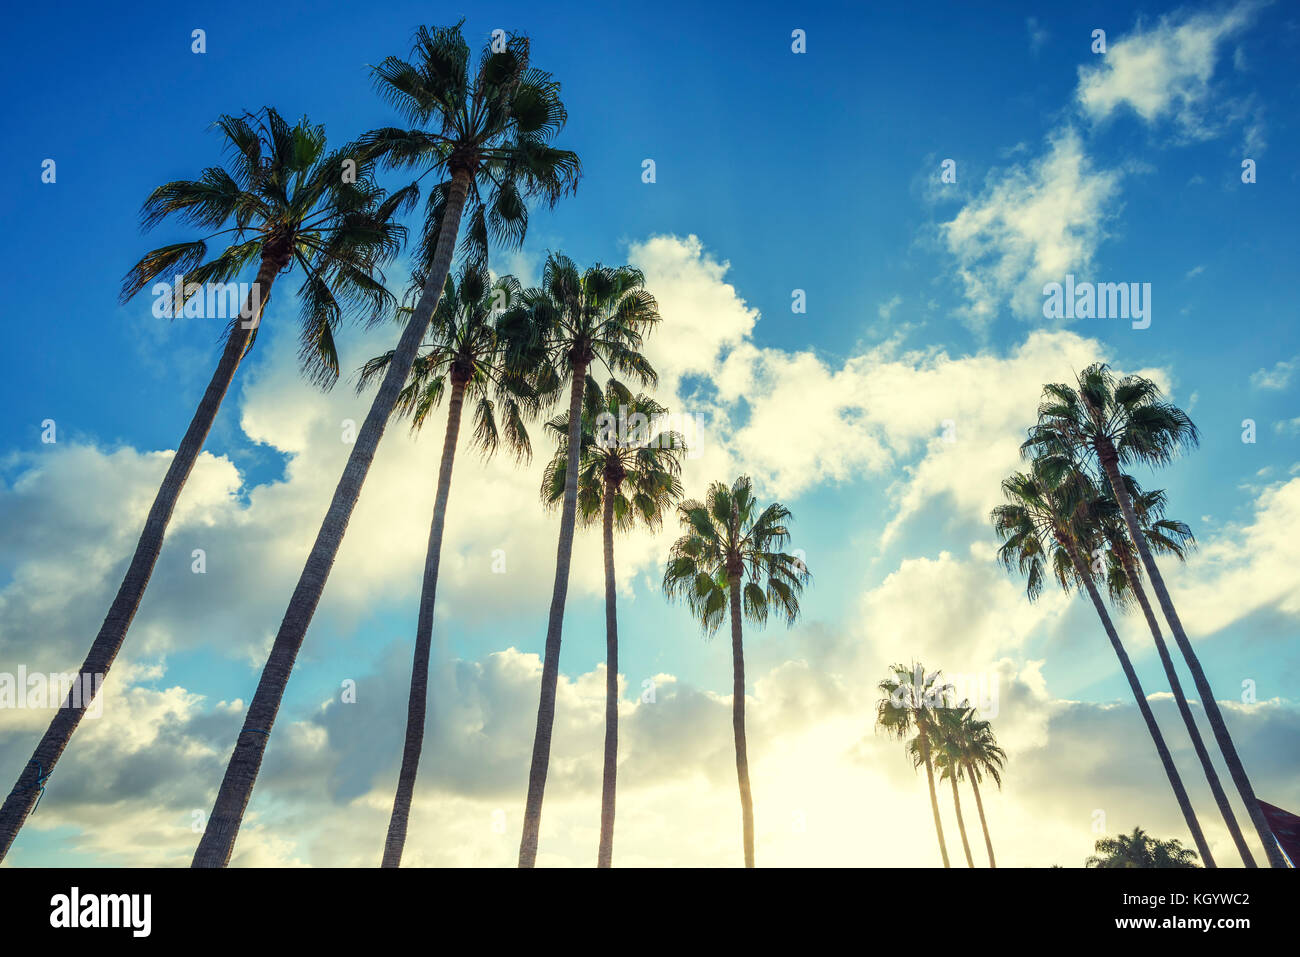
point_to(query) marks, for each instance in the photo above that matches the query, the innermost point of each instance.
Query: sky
(884, 416)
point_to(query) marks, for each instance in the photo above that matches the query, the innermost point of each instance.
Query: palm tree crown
(493, 127)
(1140, 849)
(578, 318)
(728, 539)
(465, 345)
(621, 453)
(1127, 418)
(967, 746)
(283, 199)
(912, 702)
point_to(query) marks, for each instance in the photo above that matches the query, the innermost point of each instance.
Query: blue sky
(775, 171)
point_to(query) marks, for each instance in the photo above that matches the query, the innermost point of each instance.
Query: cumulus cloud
(131, 783)
(1256, 562)
(1165, 71)
(815, 763)
(1029, 226)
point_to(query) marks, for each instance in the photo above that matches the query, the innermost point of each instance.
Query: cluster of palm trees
(483, 129)
(284, 202)
(1074, 515)
(919, 708)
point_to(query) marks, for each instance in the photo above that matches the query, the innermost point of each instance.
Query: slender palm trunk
(979, 805)
(218, 839)
(738, 721)
(1220, 798)
(1110, 464)
(961, 825)
(112, 633)
(554, 630)
(416, 705)
(605, 856)
(1180, 793)
(934, 797)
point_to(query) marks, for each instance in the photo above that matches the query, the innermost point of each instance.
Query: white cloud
(1164, 71)
(1278, 377)
(703, 316)
(1031, 226)
(326, 788)
(1256, 564)
(964, 614)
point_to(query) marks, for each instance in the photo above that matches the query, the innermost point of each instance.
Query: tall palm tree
(1118, 423)
(627, 476)
(910, 707)
(578, 319)
(280, 204)
(980, 756)
(949, 758)
(1044, 525)
(464, 360)
(1164, 536)
(1140, 849)
(487, 133)
(730, 563)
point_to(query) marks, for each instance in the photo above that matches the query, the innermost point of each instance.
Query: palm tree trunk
(415, 708)
(218, 839)
(961, 825)
(738, 721)
(1220, 798)
(605, 855)
(934, 797)
(554, 630)
(112, 633)
(1180, 793)
(1110, 464)
(979, 805)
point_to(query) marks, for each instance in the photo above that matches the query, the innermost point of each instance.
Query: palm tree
(980, 755)
(1140, 849)
(730, 562)
(1044, 524)
(950, 758)
(577, 319)
(1166, 537)
(464, 360)
(1118, 423)
(627, 476)
(910, 706)
(281, 203)
(488, 134)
